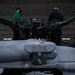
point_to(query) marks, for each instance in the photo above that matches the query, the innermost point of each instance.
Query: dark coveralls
(55, 16)
(40, 32)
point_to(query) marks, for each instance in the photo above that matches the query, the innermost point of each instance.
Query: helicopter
(18, 56)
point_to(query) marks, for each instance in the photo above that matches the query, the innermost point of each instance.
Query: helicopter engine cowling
(40, 50)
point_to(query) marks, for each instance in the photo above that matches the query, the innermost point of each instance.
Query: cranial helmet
(19, 10)
(36, 20)
(55, 8)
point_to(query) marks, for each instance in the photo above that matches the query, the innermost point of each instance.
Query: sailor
(17, 21)
(35, 23)
(55, 16)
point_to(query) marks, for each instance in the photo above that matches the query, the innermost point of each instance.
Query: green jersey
(17, 17)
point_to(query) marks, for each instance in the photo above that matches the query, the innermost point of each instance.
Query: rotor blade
(64, 23)
(6, 22)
